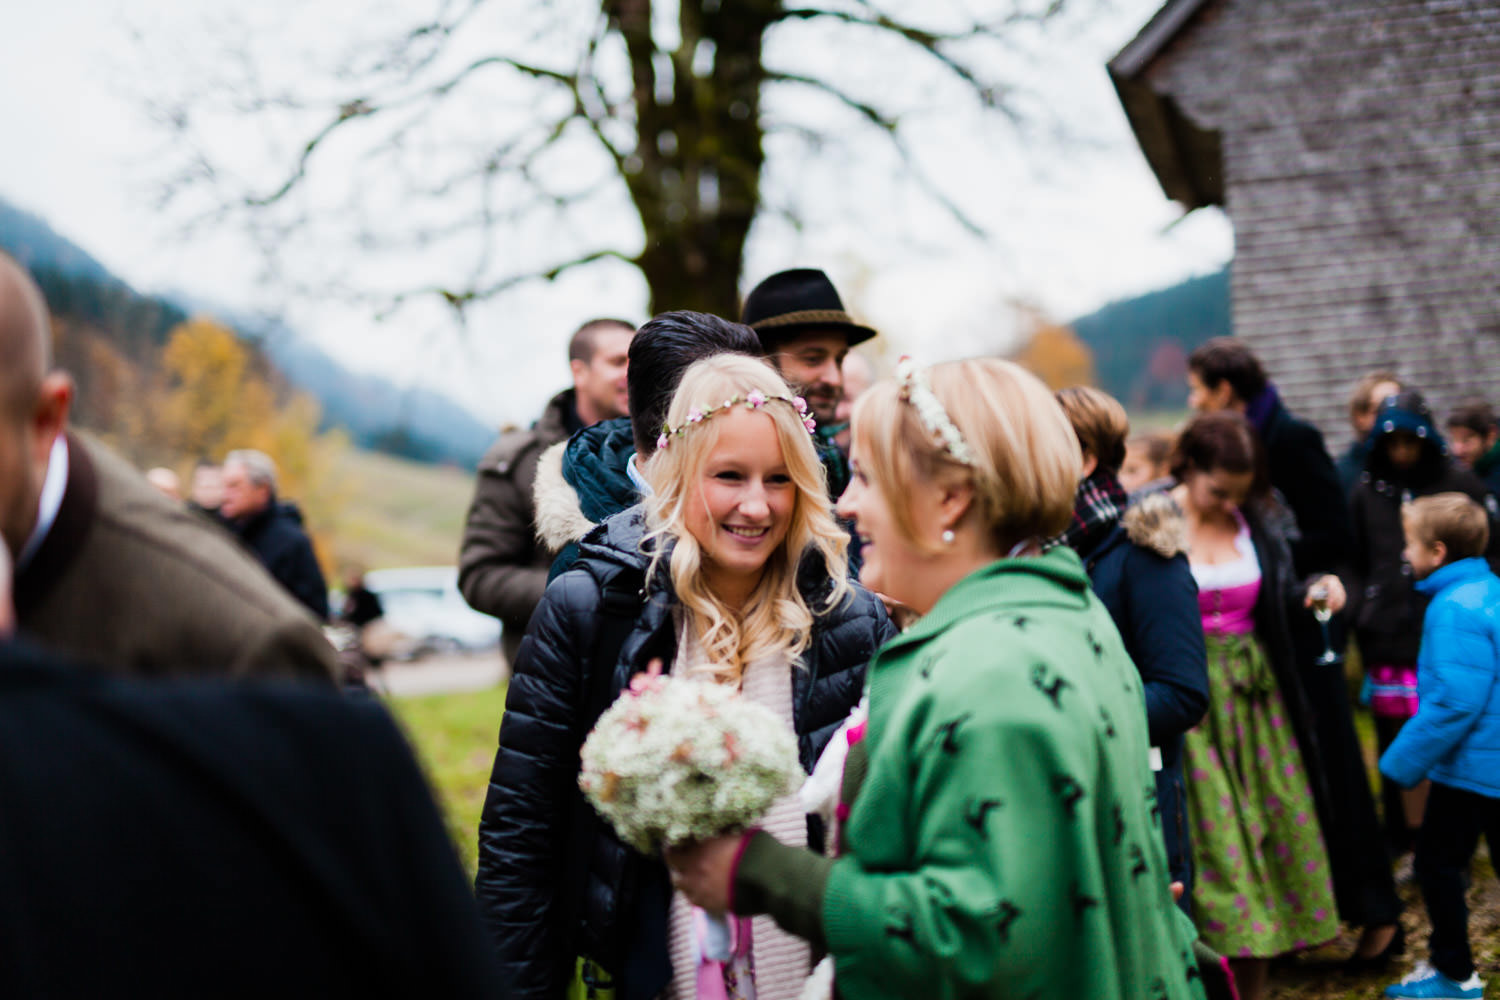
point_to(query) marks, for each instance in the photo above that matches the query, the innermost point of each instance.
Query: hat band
(835, 317)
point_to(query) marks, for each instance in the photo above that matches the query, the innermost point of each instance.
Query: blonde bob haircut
(1027, 460)
(776, 620)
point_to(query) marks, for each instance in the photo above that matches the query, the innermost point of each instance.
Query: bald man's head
(859, 374)
(34, 402)
(25, 337)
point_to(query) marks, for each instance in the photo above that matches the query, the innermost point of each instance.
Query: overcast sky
(1067, 234)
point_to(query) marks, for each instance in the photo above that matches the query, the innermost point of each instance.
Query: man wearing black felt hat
(805, 332)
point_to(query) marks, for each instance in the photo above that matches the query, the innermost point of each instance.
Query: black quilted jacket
(553, 882)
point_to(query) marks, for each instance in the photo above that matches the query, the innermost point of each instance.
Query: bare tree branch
(364, 107)
(930, 42)
(461, 299)
(890, 127)
(869, 112)
(584, 115)
(357, 108)
(438, 32)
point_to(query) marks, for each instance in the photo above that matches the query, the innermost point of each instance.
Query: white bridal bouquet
(674, 760)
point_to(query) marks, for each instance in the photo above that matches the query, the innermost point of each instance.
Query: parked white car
(424, 608)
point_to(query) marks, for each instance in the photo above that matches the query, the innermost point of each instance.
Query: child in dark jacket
(1408, 459)
(1454, 739)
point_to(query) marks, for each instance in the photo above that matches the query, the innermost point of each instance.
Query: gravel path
(441, 674)
(1315, 975)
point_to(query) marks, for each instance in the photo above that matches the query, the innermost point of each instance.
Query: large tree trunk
(695, 173)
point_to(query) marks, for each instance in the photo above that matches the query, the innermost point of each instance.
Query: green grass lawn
(454, 735)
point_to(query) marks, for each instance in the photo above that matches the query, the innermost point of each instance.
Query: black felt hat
(792, 302)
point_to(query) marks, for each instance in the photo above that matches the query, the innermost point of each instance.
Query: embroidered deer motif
(1044, 681)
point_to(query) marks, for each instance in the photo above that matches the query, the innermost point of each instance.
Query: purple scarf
(1258, 411)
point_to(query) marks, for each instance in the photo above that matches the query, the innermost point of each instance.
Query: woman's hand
(901, 615)
(703, 870)
(1333, 589)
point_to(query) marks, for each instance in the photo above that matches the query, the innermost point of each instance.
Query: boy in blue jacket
(1454, 739)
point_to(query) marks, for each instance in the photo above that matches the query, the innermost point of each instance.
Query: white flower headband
(753, 400)
(915, 390)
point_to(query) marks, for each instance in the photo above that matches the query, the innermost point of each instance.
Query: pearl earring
(948, 536)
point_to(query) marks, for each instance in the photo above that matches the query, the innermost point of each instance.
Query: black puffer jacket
(554, 882)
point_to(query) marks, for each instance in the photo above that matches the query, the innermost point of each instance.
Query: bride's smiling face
(740, 508)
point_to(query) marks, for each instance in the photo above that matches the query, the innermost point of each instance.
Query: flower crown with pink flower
(752, 400)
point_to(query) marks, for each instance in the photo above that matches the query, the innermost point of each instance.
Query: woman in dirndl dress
(1263, 886)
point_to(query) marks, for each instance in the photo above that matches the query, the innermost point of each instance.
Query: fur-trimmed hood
(560, 520)
(582, 482)
(1155, 522)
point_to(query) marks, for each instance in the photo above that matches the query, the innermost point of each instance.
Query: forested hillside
(110, 337)
(1140, 345)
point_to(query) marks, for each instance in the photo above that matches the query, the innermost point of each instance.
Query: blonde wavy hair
(1027, 459)
(776, 619)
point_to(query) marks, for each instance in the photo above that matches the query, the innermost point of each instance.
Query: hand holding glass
(1318, 597)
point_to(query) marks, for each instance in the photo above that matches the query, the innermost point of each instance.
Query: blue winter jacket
(1454, 739)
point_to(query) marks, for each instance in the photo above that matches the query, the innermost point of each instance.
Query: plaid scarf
(1097, 507)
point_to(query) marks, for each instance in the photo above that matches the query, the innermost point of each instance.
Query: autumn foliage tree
(213, 401)
(1055, 355)
(215, 396)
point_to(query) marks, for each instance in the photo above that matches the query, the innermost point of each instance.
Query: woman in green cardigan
(998, 834)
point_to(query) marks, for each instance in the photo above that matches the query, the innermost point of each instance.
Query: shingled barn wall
(1361, 159)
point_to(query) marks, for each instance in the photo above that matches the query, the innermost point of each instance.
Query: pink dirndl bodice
(1227, 591)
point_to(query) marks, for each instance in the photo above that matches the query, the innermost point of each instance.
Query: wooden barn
(1355, 145)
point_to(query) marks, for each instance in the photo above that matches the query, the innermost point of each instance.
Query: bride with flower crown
(733, 569)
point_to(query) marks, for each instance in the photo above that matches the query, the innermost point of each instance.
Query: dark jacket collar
(1488, 461)
(618, 540)
(594, 465)
(249, 527)
(256, 524)
(69, 532)
(560, 418)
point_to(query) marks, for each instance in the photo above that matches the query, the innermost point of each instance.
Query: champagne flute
(1322, 612)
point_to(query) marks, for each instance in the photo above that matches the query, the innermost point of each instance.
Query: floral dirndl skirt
(1262, 885)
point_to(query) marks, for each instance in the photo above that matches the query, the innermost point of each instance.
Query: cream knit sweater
(782, 961)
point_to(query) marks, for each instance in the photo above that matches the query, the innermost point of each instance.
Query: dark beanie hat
(789, 303)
